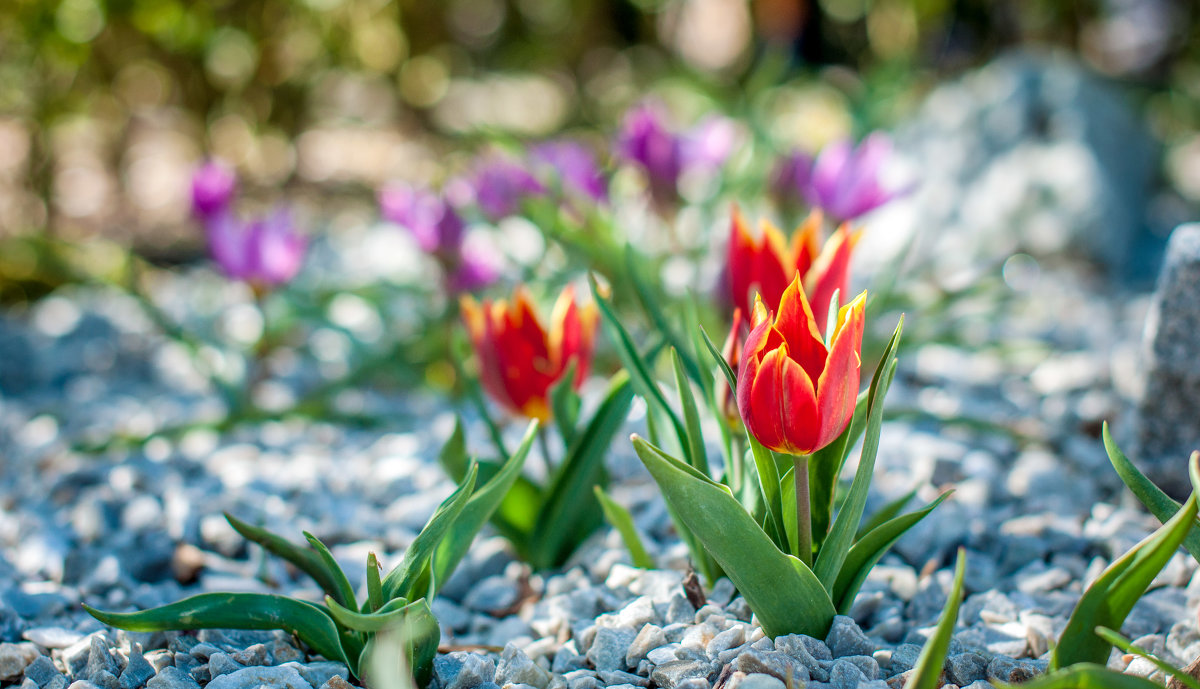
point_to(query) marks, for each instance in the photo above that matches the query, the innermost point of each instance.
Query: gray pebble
(648, 638)
(320, 672)
(610, 647)
(52, 637)
(846, 675)
(516, 668)
(462, 670)
(847, 639)
(105, 680)
(42, 670)
(14, 658)
(1008, 670)
(279, 677)
(965, 668)
(671, 675)
(694, 683)
(775, 663)
(220, 663)
(493, 595)
(256, 654)
(172, 678)
(615, 677)
(137, 670)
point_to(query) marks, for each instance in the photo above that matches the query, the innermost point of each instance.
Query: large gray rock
(1166, 427)
(14, 658)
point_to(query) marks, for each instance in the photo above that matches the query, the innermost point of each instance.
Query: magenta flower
(265, 252)
(477, 267)
(213, 186)
(664, 156)
(433, 222)
(500, 184)
(791, 177)
(846, 181)
(574, 165)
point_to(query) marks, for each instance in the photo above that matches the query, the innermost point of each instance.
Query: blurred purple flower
(477, 267)
(433, 222)
(265, 252)
(645, 141)
(709, 143)
(789, 180)
(213, 186)
(846, 181)
(500, 184)
(574, 164)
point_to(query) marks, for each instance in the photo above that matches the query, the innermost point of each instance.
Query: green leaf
(1127, 646)
(768, 481)
(694, 447)
(884, 514)
(304, 559)
(1109, 599)
(824, 469)
(719, 358)
(837, 544)
(868, 550)
(453, 457)
(345, 592)
(634, 363)
(310, 623)
(1159, 503)
(782, 592)
(649, 304)
(1086, 676)
(622, 521)
(479, 508)
(411, 643)
(402, 581)
(392, 612)
(564, 403)
(928, 669)
(374, 586)
(571, 512)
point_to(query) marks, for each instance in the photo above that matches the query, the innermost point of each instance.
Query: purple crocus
(847, 181)
(790, 179)
(574, 165)
(500, 184)
(213, 186)
(664, 156)
(433, 222)
(265, 252)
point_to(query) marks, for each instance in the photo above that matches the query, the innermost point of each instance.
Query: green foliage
(342, 629)
(622, 521)
(1110, 598)
(758, 549)
(546, 523)
(1127, 646)
(1086, 676)
(928, 670)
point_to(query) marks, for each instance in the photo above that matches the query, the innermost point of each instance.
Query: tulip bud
(266, 252)
(847, 181)
(213, 186)
(795, 394)
(519, 360)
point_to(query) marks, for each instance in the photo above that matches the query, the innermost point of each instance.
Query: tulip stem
(803, 509)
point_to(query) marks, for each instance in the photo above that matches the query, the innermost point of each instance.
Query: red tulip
(796, 392)
(519, 360)
(766, 265)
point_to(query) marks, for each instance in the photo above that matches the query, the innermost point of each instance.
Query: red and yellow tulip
(766, 264)
(796, 392)
(519, 359)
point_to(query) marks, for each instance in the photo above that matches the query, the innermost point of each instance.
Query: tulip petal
(764, 418)
(794, 321)
(837, 388)
(798, 409)
(830, 272)
(805, 243)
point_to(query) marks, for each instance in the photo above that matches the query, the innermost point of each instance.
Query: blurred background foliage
(106, 106)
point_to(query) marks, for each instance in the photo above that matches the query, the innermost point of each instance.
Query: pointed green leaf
(310, 623)
(824, 470)
(768, 481)
(1086, 676)
(1127, 646)
(345, 591)
(453, 457)
(391, 613)
(403, 579)
(719, 358)
(781, 591)
(649, 304)
(571, 512)
(633, 362)
(1159, 503)
(304, 559)
(622, 521)
(868, 550)
(696, 453)
(884, 514)
(412, 643)
(1109, 599)
(837, 544)
(928, 669)
(479, 508)
(564, 403)
(374, 585)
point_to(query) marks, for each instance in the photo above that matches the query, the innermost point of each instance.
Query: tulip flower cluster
(265, 252)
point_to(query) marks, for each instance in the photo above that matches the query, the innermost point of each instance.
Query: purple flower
(265, 252)
(645, 141)
(213, 186)
(574, 165)
(433, 222)
(846, 181)
(790, 179)
(477, 267)
(500, 184)
(709, 143)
